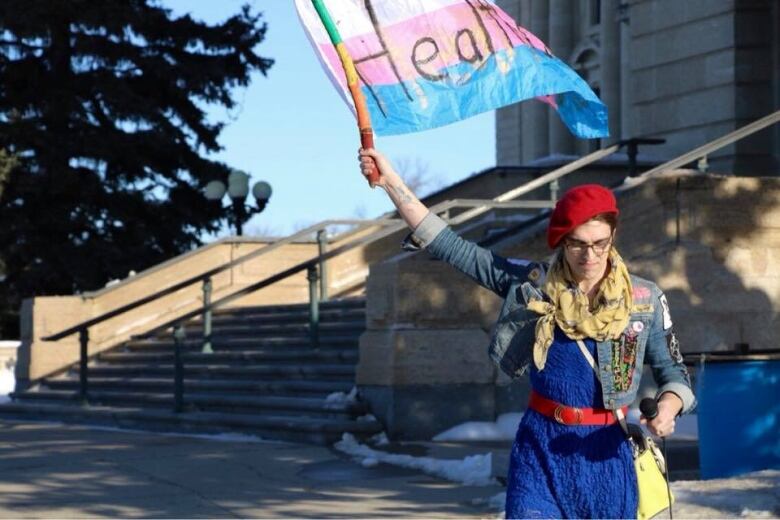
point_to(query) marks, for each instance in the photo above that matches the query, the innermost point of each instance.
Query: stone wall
(685, 71)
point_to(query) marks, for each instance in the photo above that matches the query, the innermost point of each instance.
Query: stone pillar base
(419, 412)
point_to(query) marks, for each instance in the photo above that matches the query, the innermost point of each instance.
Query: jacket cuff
(680, 390)
(428, 229)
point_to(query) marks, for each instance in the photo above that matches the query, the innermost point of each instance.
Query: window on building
(595, 12)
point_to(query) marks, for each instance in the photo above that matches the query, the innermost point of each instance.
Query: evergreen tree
(103, 103)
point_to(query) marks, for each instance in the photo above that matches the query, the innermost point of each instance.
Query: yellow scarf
(569, 306)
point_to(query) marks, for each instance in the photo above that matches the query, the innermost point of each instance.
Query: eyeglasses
(578, 248)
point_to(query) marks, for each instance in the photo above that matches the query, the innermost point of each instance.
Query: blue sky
(293, 130)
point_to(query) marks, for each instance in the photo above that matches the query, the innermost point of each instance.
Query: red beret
(577, 206)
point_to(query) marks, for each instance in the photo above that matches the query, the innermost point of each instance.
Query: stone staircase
(263, 378)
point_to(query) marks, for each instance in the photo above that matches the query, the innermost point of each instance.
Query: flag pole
(363, 117)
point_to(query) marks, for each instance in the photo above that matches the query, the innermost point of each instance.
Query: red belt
(570, 415)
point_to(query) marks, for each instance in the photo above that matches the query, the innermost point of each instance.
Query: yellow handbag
(650, 469)
(654, 494)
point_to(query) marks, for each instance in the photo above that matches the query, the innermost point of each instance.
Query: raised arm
(431, 232)
(409, 206)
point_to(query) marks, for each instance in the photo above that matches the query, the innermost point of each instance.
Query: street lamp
(238, 189)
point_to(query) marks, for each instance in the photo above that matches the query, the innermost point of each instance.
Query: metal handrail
(312, 262)
(394, 225)
(540, 181)
(716, 144)
(210, 273)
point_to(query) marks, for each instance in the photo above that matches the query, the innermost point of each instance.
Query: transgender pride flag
(428, 63)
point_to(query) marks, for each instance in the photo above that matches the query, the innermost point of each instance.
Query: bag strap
(592, 362)
(588, 356)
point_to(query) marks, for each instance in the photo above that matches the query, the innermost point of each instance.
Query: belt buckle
(558, 415)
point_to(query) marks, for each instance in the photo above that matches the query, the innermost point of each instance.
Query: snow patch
(380, 439)
(503, 429)
(7, 383)
(474, 470)
(754, 495)
(342, 398)
(369, 462)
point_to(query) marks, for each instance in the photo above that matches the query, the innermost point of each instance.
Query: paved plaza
(50, 470)
(66, 471)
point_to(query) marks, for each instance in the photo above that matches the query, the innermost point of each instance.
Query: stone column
(560, 42)
(626, 131)
(423, 363)
(509, 122)
(610, 66)
(535, 123)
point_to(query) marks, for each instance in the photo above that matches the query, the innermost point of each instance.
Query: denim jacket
(647, 338)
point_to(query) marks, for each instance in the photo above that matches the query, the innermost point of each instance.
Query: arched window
(595, 12)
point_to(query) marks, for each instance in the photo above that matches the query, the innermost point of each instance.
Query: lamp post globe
(238, 185)
(262, 192)
(215, 190)
(238, 189)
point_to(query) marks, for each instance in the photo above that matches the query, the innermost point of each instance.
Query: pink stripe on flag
(425, 44)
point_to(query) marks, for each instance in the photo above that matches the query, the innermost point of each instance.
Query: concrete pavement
(52, 470)
(67, 471)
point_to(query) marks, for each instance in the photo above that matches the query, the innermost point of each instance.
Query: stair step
(241, 327)
(243, 343)
(318, 430)
(264, 377)
(221, 371)
(206, 402)
(230, 357)
(286, 318)
(147, 384)
(285, 315)
(347, 304)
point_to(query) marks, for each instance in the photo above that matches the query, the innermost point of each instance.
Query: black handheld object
(649, 408)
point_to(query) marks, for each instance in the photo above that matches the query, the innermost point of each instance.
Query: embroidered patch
(617, 373)
(674, 347)
(666, 313)
(642, 307)
(623, 360)
(629, 358)
(641, 293)
(534, 274)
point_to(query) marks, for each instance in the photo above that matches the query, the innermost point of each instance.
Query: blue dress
(561, 471)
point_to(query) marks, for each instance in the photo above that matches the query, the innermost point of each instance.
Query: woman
(583, 327)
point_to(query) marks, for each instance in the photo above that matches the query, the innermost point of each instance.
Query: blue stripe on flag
(439, 103)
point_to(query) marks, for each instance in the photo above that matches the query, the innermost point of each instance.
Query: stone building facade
(687, 71)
